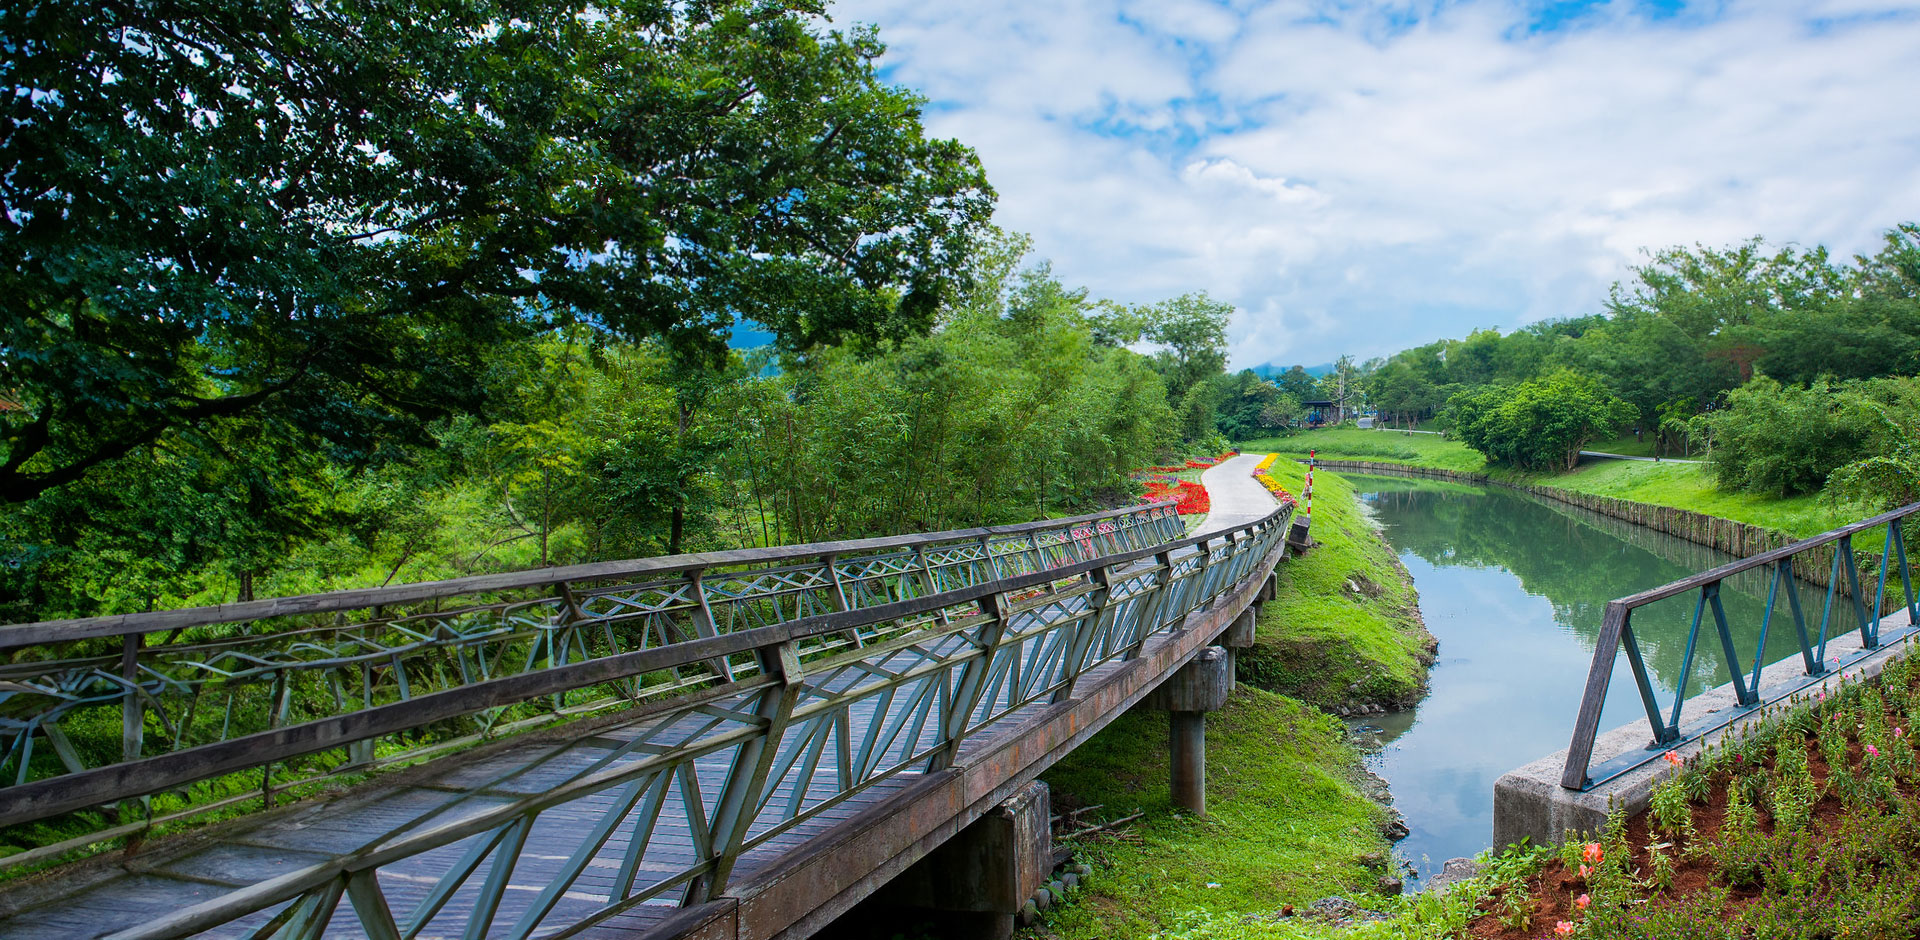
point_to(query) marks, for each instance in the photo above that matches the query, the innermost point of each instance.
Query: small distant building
(1321, 413)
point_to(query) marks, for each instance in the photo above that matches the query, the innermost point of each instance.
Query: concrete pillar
(1237, 636)
(1187, 740)
(973, 884)
(1198, 687)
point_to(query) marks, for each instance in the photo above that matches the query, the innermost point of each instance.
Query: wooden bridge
(736, 744)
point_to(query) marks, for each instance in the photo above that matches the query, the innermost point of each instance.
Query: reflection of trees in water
(1578, 561)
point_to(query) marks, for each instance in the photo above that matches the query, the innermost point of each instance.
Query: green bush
(1780, 440)
(1539, 425)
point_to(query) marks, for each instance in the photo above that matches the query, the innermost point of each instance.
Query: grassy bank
(1682, 486)
(1421, 450)
(1345, 626)
(1286, 823)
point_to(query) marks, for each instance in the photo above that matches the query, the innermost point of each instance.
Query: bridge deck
(229, 859)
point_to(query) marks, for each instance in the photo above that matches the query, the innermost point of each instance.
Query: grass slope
(1285, 823)
(1690, 486)
(1345, 625)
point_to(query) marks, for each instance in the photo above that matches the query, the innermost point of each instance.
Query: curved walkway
(1235, 496)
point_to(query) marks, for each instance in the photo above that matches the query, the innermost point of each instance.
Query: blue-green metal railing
(105, 692)
(791, 720)
(1851, 611)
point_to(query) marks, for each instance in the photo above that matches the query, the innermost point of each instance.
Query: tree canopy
(323, 217)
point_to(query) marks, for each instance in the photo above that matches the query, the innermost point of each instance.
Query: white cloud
(1358, 180)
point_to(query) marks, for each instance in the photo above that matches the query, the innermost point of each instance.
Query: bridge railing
(699, 776)
(102, 693)
(1845, 608)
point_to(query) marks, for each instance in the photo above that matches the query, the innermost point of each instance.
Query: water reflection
(1514, 588)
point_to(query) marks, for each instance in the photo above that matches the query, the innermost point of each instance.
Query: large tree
(321, 216)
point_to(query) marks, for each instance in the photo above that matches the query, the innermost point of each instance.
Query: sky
(1358, 178)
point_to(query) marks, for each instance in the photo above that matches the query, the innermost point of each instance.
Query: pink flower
(1563, 929)
(1672, 757)
(1899, 732)
(1873, 750)
(1592, 853)
(1586, 872)
(1580, 903)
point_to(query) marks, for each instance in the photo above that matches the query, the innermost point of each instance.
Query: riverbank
(1293, 817)
(1344, 631)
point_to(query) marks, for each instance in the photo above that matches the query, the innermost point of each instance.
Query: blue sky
(1361, 177)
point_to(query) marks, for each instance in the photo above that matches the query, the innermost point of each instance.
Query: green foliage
(1539, 425)
(1782, 439)
(320, 220)
(1192, 331)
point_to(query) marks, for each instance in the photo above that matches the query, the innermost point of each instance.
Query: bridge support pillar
(973, 884)
(1238, 636)
(1199, 687)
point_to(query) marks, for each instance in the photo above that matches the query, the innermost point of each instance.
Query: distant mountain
(1267, 370)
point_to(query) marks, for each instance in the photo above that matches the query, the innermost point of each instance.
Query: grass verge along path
(1345, 626)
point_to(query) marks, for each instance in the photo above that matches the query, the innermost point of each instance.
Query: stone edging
(1739, 539)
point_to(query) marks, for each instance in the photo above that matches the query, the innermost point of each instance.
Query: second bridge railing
(1844, 609)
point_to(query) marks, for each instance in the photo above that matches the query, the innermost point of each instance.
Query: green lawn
(1285, 823)
(1426, 450)
(1690, 486)
(1345, 625)
(1625, 444)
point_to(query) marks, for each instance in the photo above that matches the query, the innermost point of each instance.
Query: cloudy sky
(1362, 177)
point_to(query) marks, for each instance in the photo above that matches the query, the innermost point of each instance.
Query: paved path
(1236, 497)
(1607, 456)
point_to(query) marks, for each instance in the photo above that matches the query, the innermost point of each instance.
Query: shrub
(1539, 425)
(1782, 439)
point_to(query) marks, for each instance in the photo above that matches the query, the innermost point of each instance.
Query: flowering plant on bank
(1273, 486)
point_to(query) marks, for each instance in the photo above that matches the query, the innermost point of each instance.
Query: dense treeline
(1784, 367)
(1016, 405)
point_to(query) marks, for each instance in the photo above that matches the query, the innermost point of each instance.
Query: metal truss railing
(81, 696)
(1776, 565)
(793, 722)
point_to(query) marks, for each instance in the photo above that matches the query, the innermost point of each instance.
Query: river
(1513, 587)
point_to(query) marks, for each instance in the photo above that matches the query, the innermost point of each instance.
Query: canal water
(1514, 588)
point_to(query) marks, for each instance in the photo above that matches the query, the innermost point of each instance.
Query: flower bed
(1192, 496)
(1273, 486)
(1804, 825)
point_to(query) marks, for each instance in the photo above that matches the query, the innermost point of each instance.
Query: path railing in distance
(1616, 632)
(109, 708)
(794, 721)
